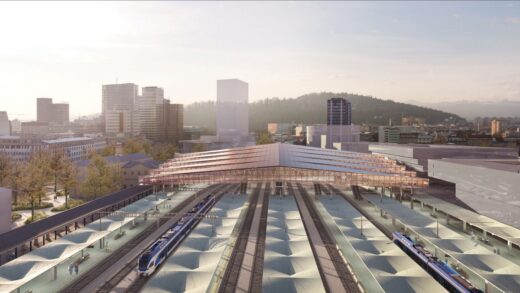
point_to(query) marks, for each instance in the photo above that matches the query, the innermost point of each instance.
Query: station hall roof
(283, 162)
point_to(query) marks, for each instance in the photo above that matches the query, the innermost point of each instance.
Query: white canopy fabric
(29, 266)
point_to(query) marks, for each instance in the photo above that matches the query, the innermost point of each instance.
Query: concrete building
(324, 136)
(146, 111)
(5, 210)
(417, 156)
(403, 134)
(496, 128)
(76, 148)
(5, 125)
(232, 119)
(339, 112)
(118, 109)
(34, 128)
(169, 122)
(16, 126)
(49, 112)
(232, 108)
(491, 187)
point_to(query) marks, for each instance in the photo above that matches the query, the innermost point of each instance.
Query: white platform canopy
(29, 266)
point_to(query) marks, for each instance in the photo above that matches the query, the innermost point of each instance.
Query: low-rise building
(491, 187)
(132, 166)
(76, 148)
(324, 136)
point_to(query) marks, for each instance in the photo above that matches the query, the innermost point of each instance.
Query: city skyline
(402, 51)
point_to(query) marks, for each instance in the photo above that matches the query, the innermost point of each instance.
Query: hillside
(311, 109)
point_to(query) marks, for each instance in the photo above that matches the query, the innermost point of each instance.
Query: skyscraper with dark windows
(339, 112)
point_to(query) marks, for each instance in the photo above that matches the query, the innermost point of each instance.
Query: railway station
(276, 218)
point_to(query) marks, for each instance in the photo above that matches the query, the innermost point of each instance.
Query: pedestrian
(76, 268)
(70, 269)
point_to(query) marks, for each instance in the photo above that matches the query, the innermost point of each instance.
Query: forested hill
(312, 108)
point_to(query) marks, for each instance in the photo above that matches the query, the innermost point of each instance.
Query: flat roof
(482, 222)
(68, 139)
(9, 240)
(508, 165)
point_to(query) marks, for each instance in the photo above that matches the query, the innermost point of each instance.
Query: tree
(264, 138)
(198, 148)
(5, 168)
(55, 164)
(38, 165)
(67, 178)
(108, 151)
(101, 178)
(16, 179)
(35, 176)
(133, 146)
(163, 151)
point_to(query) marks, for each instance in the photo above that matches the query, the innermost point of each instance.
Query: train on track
(441, 271)
(162, 247)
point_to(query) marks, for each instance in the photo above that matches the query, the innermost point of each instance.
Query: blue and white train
(162, 247)
(441, 271)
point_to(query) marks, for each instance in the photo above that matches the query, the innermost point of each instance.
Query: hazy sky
(424, 51)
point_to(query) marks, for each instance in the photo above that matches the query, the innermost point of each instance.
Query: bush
(37, 217)
(15, 216)
(72, 204)
(27, 206)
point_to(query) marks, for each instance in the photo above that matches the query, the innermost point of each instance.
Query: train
(448, 277)
(149, 260)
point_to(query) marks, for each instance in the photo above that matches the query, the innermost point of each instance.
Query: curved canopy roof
(283, 162)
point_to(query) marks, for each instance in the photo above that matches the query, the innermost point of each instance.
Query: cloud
(513, 20)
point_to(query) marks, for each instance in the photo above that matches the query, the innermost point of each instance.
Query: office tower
(49, 112)
(232, 108)
(170, 122)
(5, 125)
(496, 128)
(118, 108)
(44, 109)
(339, 112)
(60, 113)
(146, 111)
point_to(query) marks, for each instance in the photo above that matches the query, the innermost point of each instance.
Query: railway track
(140, 282)
(230, 278)
(355, 204)
(347, 279)
(93, 273)
(258, 265)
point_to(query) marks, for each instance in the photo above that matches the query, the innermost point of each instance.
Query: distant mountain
(472, 109)
(312, 109)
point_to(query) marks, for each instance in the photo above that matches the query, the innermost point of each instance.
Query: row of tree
(29, 180)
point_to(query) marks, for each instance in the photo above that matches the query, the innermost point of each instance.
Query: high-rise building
(5, 125)
(170, 122)
(118, 108)
(496, 128)
(49, 112)
(339, 112)
(146, 111)
(232, 108)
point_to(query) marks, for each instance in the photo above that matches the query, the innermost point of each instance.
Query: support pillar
(464, 226)
(55, 277)
(447, 219)
(509, 245)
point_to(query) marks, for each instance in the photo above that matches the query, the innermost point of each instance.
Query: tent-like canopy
(283, 162)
